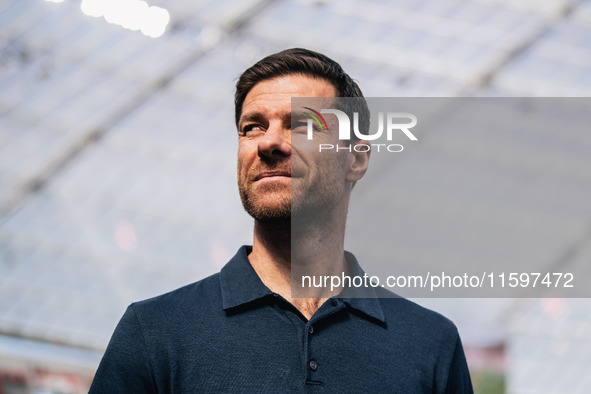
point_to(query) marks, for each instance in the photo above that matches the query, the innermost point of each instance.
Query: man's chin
(268, 212)
(270, 216)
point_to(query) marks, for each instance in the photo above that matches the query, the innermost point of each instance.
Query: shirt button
(311, 329)
(313, 365)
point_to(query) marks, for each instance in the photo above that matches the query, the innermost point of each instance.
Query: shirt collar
(240, 285)
(363, 299)
(239, 281)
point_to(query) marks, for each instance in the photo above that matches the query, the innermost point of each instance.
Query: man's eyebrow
(251, 116)
(298, 115)
(257, 116)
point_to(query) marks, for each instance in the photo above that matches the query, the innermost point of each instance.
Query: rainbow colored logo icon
(317, 117)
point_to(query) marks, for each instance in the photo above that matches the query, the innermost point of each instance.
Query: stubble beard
(266, 202)
(307, 200)
(300, 206)
(265, 207)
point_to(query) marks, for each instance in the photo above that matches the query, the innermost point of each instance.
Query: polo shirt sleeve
(459, 376)
(125, 366)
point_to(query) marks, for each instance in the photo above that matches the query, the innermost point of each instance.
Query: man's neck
(314, 248)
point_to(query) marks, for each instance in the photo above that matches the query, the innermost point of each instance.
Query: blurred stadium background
(117, 159)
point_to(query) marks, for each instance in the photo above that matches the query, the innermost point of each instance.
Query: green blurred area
(488, 382)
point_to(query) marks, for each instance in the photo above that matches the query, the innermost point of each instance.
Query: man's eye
(300, 127)
(252, 128)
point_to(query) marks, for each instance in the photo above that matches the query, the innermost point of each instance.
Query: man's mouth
(272, 174)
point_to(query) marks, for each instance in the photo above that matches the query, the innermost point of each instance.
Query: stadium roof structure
(117, 154)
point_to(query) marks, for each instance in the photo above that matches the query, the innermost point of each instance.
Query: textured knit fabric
(229, 333)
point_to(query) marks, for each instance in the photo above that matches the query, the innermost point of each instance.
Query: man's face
(280, 173)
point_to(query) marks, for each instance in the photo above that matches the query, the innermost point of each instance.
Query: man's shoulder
(206, 297)
(201, 295)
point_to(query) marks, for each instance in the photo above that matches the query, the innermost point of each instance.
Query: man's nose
(276, 142)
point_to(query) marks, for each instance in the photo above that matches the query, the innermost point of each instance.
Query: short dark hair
(305, 62)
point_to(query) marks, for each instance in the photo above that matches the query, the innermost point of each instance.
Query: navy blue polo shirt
(229, 333)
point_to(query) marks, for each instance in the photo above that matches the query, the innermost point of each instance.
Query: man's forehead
(293, 85)
(275, 94)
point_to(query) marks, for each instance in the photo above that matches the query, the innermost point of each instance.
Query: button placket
(311, 342)
(312, 364)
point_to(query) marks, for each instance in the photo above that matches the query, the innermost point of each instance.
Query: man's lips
(270, 174)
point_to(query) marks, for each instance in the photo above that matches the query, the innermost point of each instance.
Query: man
(242, 330)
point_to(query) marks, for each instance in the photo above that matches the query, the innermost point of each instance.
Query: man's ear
(359, 160)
